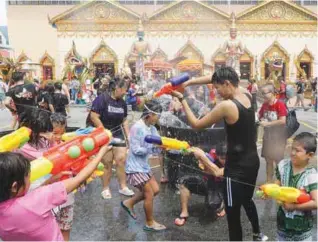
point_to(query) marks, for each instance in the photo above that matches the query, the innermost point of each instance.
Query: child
(205, 185)
(295, 221)
(273, 118)
(28, 216)
(42, 139)
(60, 100)
(138, 169)
(65, 212)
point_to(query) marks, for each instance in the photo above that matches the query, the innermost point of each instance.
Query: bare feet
(221, 214)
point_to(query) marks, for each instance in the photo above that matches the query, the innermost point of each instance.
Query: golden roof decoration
(101, 12)
(277, 9)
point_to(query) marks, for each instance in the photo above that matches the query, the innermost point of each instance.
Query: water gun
(172, 85)
(283, 194)
(79, 132)
(167, 143)
(70, 156)
(15, 140)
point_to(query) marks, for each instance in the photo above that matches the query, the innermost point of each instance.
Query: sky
(3, 13)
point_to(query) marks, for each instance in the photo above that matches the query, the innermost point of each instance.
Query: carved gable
(191, 52)
(97, 11)
(189, 10)
(103, 54)
(275, 10)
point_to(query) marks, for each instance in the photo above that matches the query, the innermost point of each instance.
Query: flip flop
(180, 223)
(155, 228)
(131, 213)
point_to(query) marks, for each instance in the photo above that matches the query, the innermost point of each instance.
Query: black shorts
(205, 187)
(119, 139)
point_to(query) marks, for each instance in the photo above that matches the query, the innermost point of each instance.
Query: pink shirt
(31, 153)
(30, 218)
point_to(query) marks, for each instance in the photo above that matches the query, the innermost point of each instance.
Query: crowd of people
(44, 210)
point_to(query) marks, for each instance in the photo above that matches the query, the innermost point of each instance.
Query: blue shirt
(139, 151)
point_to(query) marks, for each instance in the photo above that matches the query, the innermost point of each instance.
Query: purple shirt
(112, 112)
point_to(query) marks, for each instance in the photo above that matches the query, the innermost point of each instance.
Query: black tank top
(242, 159)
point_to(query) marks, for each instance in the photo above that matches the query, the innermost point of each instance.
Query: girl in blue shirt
(138, 169)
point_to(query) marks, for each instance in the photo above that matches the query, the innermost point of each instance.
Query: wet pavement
(98, 219)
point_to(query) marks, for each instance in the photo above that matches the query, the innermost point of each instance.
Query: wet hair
(225, 73)
(58, 86)
(58, 118)
(308, 141)
(17, 76)
(49, 88)
(38, 120)
(150, 107)
(221, 149)
(270, 87)
(14, 167)
(116, 83)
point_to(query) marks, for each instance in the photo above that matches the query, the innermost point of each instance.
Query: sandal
(180, 221)
(155, 227)
(164, 180)
(106, 194)
(128, 210)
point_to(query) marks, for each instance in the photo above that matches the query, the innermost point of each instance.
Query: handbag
(292, 124)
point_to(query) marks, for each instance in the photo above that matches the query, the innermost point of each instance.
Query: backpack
(292, 124)
(290, 91)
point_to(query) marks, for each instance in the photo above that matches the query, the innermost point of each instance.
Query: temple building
(194, 36)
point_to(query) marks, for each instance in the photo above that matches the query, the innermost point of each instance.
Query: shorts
(205, 187)
(64, 217)
(138, 179)
(274, 143)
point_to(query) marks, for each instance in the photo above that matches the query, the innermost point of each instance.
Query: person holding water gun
(47, 132)
(138, 169)
(295, 221)
(209, 185)
(27, 216)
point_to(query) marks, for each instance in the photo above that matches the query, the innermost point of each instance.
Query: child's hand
(197, 152)
(57, 177)
(289, 206)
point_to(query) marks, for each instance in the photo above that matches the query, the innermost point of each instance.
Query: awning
(190, 65)
(157, 65)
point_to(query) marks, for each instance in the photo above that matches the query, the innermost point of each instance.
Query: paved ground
(97, 219)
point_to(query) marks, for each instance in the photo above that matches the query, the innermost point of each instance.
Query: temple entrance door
(245, 69)
(306, 67)
(103, 68)
(47, 72)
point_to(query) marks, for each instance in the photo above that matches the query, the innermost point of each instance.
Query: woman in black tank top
(242, 162)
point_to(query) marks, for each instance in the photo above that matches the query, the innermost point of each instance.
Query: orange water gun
(70, 156)
(15, 140)
(172, 85)
(284, 194)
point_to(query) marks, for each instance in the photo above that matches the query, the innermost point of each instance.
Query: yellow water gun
(15, 140)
